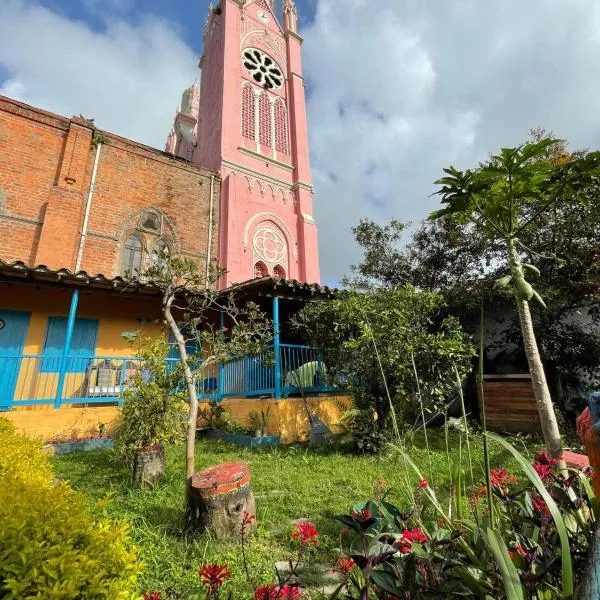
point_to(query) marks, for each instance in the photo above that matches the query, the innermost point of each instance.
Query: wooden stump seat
(220, 496)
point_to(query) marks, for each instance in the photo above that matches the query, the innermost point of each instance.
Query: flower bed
(81, 445)
(249, 441)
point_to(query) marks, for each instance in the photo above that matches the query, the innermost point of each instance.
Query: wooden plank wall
(510, 405)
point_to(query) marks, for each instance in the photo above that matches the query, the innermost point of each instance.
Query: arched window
(260, 270)
(131, 263)
(281, 127)
(160, 253)
(278, 272)
(151, 221)
(248, 114)
(264, 109)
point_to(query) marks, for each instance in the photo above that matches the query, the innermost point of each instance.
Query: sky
(397, 89)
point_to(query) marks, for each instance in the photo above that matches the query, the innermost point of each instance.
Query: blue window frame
(83, 345)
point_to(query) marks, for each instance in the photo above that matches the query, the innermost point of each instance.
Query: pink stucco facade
(252, 128)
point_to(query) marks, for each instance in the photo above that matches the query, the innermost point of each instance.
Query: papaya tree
(505, 197)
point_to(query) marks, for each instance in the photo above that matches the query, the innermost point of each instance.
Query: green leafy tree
(504, 198)
(193, 309)
(389, 345)
(456, 258)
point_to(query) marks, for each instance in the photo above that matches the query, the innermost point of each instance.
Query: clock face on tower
(263, 16)
(262, 68)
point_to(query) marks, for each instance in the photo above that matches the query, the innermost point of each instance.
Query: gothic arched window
(248, 114)
(270, 249)
(264, 110)
(281, 127)
(278, 272)
(260, 270)
(160, 253)
(131, 261)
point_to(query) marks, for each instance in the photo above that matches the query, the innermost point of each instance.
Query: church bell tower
(251, 127)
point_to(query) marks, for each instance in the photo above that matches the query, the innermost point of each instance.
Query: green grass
(289, 483)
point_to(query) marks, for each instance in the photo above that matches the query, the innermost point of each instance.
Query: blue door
(13, 331)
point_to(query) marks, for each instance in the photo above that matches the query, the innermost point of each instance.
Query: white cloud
(129, 78)
(411, 87)
(399, 89)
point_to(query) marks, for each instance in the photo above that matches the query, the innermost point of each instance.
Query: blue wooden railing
(28, 380)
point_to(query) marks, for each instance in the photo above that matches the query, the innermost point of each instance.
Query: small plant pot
(149, 466)
(264, 432)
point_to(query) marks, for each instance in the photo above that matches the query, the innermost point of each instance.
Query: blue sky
(398, 89)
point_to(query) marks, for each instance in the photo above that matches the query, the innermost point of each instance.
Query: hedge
(50, 546)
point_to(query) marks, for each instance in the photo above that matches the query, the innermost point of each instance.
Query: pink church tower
(252, 128)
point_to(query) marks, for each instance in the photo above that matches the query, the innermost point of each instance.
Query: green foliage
(154, 409)
(537, 548)
(360, 427)
(49, 546)
(368, 341)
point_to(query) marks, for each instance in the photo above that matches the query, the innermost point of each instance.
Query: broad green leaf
(567, 566)
(510, 576)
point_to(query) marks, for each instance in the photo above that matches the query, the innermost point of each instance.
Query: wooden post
(220, 496)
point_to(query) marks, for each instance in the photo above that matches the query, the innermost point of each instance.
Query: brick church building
(80, 207)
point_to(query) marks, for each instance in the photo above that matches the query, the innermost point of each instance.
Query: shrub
(49, 546)
(154, 411)
(401, 334)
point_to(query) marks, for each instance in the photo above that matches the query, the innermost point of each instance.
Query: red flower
(306, 532)
(423, 484)
(344, 565)
(545, 458)
(540, 506)
(410, 537)
(272, 592)
(543, 470)
(519, 549)
(362, 515)
(247, 519)
(151, 596)
(213, 576)
(500, 478)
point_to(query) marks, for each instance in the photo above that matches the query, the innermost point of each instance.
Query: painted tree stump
(219, 497)
(149, 466)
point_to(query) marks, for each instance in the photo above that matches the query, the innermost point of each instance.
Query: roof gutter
(210, 228)
(88, 206)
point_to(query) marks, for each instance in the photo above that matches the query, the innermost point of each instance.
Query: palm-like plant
(506, 195)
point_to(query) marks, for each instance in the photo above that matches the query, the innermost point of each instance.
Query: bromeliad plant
(536, 548)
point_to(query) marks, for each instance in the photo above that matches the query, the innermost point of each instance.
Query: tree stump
(219, 497)
(149, 466)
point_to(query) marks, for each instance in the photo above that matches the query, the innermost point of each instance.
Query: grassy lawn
(289, 483)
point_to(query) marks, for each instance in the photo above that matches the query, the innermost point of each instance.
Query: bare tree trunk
(538, 380)
(545, 407)
(190, 446)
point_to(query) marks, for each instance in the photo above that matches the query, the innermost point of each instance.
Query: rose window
(270, 246)
(262, 68)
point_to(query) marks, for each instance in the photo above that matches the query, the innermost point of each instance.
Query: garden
(414, 498)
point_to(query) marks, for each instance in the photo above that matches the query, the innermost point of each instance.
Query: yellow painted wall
(116, 315)
(51, 425)
(287, 417)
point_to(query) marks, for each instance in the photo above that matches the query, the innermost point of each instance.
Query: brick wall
(46, 164)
